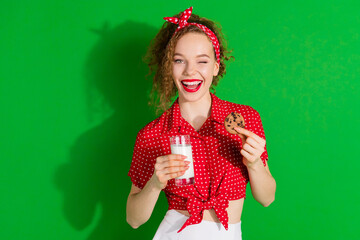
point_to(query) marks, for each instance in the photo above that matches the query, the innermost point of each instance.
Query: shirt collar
(176, 122)
(174, 119)
(219, 110)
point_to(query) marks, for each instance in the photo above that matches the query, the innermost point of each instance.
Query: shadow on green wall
(95, 177)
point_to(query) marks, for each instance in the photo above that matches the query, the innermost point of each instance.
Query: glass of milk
(182, 145)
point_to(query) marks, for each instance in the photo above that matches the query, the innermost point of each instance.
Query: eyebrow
(201, 55)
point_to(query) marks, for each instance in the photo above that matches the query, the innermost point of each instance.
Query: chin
(193, 97)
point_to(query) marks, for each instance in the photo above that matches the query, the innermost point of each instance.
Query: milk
(184, 149)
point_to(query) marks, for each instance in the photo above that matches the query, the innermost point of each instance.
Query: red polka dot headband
(182, 22)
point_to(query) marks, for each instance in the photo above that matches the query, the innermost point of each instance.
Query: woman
(188, 56)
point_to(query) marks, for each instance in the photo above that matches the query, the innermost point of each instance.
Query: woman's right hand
(168, 167)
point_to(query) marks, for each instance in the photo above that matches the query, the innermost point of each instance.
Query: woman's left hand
(252, 146)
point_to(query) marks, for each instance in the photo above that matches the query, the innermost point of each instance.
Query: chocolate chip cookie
(234, 120)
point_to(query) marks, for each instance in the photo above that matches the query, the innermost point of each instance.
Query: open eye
(178, 61)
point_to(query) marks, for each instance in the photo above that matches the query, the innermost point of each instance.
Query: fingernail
(183, 157)
(187, 162)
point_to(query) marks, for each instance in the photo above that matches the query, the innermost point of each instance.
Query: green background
(73, 95)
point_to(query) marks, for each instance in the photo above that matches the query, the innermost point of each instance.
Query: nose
(189, 69)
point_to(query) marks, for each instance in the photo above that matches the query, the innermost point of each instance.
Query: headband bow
(183, 22)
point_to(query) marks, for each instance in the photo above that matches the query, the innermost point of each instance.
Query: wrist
(154, 184)
(256, 165)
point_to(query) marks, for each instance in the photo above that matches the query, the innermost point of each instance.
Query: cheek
(176, 71)
(207, 71)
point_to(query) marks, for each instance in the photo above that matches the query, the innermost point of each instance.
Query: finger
(175, 157)
(241, 134)
(254, 143)
(174, 174)
(175, 163)
(246, 154)
(250, 134)
(163, 177)
(244, 132)
(249, 149)
(253, 153)
(163, 159)
(171, 166)
(243, 137)
(174, 169)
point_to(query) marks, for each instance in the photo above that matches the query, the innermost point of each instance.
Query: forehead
(194, 43)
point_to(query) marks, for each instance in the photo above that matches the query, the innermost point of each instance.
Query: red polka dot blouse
(220, 175)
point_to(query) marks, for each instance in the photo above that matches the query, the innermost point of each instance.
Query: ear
(216, 68)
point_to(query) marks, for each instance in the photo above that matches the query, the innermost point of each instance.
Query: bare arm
(141, 202)
(262, 183)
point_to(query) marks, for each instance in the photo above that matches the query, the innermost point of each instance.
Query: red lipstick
(191, 85)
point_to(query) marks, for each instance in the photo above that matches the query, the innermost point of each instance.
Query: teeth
(191, 83)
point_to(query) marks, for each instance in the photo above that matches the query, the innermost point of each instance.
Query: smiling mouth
(191, 85)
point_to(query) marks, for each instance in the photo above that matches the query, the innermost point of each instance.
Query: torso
(235, 207)
(234, 211)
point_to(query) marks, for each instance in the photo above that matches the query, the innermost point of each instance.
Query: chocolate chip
(234, 120)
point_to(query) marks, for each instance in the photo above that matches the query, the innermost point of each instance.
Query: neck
(197, 112)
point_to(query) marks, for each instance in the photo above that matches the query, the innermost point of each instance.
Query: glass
(182, 145)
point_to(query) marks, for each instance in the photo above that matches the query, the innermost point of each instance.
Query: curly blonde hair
(159, 58)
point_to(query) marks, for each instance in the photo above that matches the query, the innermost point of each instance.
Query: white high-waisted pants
(206, 230)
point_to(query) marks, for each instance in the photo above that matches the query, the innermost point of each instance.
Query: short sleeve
(255, 125)
(141, 168)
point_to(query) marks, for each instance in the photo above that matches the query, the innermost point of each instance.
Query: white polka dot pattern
(220, 175)
(182, 22)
